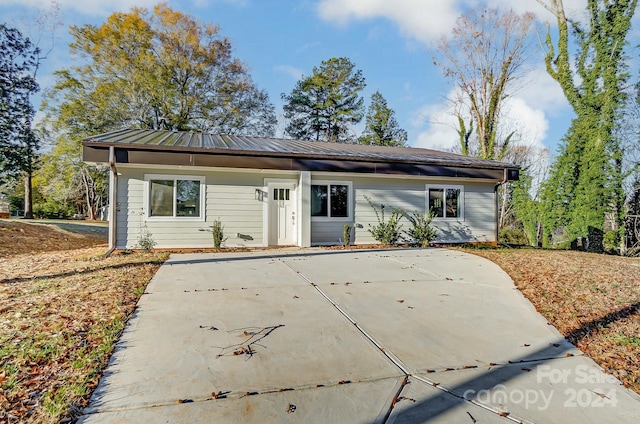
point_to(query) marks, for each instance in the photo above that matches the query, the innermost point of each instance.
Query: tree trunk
(88, 196)
(28, 197)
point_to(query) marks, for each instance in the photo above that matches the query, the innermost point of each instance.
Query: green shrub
(346, 234)
(421, 231)
(217, 229)
(513, 235)
(386, 232)
(53, 210)
(612, 241)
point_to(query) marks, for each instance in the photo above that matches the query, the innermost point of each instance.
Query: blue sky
(390, 41)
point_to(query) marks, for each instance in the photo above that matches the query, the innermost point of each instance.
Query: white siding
(327, 232)
(409, 194)
(230, 197)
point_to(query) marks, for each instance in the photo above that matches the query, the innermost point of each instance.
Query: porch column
(304, 209)
(113, 200)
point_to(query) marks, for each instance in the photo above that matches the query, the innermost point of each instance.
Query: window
(445, 201)
(175, 197)
(281, 194)
(330, 200)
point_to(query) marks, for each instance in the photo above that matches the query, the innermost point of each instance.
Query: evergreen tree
(325, 105)
(382, 127)
(18, 143)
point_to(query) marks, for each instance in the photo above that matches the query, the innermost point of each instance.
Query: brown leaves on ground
(593, 300)
(61, 314)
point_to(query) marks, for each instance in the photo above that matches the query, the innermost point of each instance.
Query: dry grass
(593, 300)
(61, 313)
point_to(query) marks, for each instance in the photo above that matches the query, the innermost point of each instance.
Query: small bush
(217, 229)
(145, 238)
(513, 235)
(386, 232)
(421, 231)
(346, 234)
(611, 241)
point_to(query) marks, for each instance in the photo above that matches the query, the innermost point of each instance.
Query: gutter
(113, 196)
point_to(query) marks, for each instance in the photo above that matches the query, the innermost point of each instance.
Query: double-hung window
(331, 200)
(179, 197)
(446, 201)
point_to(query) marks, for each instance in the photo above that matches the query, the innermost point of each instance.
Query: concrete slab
(188, 345)
(344, 267)
(468, 268)
(366, 402)
(215, 272)
(565, 390)
(420, 402)
(418, 264)
(438, 323)
(265, 330)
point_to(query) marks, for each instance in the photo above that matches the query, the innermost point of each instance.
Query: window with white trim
(175, 197)
(445, 201)
(331, 200)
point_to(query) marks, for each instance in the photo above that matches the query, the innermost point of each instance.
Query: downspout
(113, 196)
(497, 205)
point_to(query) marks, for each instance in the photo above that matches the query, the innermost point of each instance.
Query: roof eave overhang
(98, 152)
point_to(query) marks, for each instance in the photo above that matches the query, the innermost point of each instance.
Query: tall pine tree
(382, 127)
(18, 143)
(325, 105)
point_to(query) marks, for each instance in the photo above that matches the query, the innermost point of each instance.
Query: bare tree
(47, 21)
(484, 58)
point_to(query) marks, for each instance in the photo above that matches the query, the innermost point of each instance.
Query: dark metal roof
(199, 142)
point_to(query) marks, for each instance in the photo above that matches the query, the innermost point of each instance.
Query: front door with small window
(282, 214)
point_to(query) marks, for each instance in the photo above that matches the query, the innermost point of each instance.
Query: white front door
(282, 214)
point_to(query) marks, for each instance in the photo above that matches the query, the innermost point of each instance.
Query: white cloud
(423, 20)
(572, 7)
(440, 133)
(426, 20)
(308, 46)
(292, 71)
(529, 121)
(103, 7)
(91, 8)
(540, 91)
(441, 138)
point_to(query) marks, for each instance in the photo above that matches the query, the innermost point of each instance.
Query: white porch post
(113, 200)
(304, 209)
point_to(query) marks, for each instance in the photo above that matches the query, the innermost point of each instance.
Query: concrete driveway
(318, 336)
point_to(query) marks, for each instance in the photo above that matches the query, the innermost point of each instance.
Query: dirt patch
(593, 300)
(18, 237)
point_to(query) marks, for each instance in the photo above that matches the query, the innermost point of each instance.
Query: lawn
(63, 307)
(592, 299)
(61, 313)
